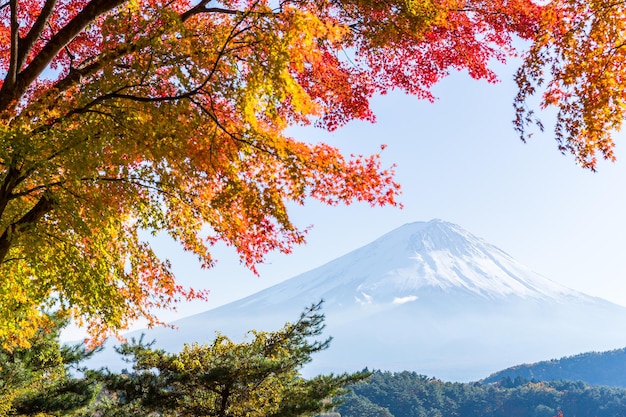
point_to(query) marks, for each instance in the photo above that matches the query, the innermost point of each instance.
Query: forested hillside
(407, 394)
(595, 368)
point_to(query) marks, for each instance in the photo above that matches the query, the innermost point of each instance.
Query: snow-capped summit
(413, 261)
(443, 255)
(427, 297)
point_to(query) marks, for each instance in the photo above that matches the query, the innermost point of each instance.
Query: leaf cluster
(578, 64)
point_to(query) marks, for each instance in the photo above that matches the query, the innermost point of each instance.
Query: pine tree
(39, 380)
(255, 378)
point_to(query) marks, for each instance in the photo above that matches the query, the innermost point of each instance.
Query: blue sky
(460, 160)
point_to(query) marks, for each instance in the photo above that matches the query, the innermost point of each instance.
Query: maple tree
(123, 116)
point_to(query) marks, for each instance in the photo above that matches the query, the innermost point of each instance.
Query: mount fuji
(428, 297)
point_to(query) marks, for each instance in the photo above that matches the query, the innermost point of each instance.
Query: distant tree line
(408, 394)
(595, 368)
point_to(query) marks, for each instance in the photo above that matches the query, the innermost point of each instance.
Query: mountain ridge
(594, 368)
(490, 278)
(428, 297)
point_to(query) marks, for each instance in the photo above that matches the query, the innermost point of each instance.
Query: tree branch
(11, 180)
(10, 94)
(201, 8)
(85, 69)
(27, 43)
(13, 63)
(43, 206)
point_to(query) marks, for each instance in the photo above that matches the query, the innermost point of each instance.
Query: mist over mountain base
(428, 297)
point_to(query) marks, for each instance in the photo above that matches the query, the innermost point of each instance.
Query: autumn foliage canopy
(118, 117)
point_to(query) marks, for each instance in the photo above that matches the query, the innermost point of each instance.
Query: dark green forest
(408, 394)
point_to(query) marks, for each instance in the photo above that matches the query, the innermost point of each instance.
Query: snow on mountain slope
(428, 297)
(414, 259)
